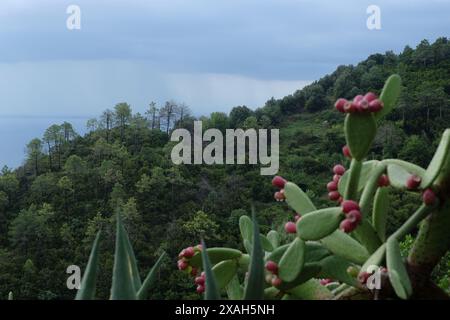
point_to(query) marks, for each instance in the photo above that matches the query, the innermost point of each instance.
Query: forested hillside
(70, 185)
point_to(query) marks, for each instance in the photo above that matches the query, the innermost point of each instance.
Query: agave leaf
(87, 288)
(211, 287)
(360, 130)
(224, 272)
(274, 238)
(389, 95)
(291, 263)
(398, 275)
(132, 259)
(216, 255)
(122, 281)
(343, 245)
(246, 227)
(441, 159)
(254, 289)
(150, 279)
(297, 199)
(234, 289)
(335, 267)
(319, 224)
(380, 212)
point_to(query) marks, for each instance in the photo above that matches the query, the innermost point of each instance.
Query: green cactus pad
(335, 267)
(297, 199)
(319, 224)
(380, 212)
(246, 227)
(398, 275)
(398, 176)
(343, 245)
(389, 95)
(274, 238)
(366, 171)
(216, 255)
(309, 271)
(440, 161)
(360, 130)
(291, 263)
(224, 272)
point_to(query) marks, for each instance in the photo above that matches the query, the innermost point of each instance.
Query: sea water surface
(17, 131)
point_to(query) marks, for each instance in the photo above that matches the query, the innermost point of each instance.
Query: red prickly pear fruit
(297, 217)
(334, 195)
(349, 205)
(346, 152)
(346, 226)
(182, 265)
(358, 98)
(363, 276)
(413, 182)
(363, 105)
(200, 289)
(383, 181)
(336, 178)
(181, 254)
(199, 247)
(272, 267)
(278, 182)
(340, 103)
(200, 281)
(354, 216)
(339, 169)
(290, 227)
(350, 107)
(340, 200)
(332, 186)
(324, 282)
(276, 281)
(189, 252)
(375, 105)
(279, 196)
(203, 274)
(429, 197)
(194, 272)
(369, 96)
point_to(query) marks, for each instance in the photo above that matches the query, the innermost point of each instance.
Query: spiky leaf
(254, 289)
(291, 263)
(319, 224)
(211, 287)
(87, 287)
(150, 279)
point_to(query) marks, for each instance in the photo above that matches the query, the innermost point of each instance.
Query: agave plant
(341, 252)
(126, 281)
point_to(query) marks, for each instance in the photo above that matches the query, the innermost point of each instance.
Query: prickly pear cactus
(341, 252)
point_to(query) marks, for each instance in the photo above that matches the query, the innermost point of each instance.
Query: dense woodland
(69, 185)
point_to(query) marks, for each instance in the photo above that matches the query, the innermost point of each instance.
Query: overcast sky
(210, 54)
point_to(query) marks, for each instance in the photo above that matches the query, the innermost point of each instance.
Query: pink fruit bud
(413, 182)
(199, 247)
(349, 205)
(429, 197)
(358, 98)
(276, 281)
(181, 254)
(340, 200)
(346, 152)
(297, 217)
(346, 226)
(290, 227)
(350, 107)
(375, 105)
(279, 196)
(334, 195)
(336, 178)
(340, 103)
(332, 186)
(272, 267)
(339, 169)
(189, 252)
(363, 105)
(369, 96)
(354, 216)
(324, 282)
(383, 181)
(278, 182)
(182, 265)
(363, 276)
(269, 278)
(200, 289)
(199, 281)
